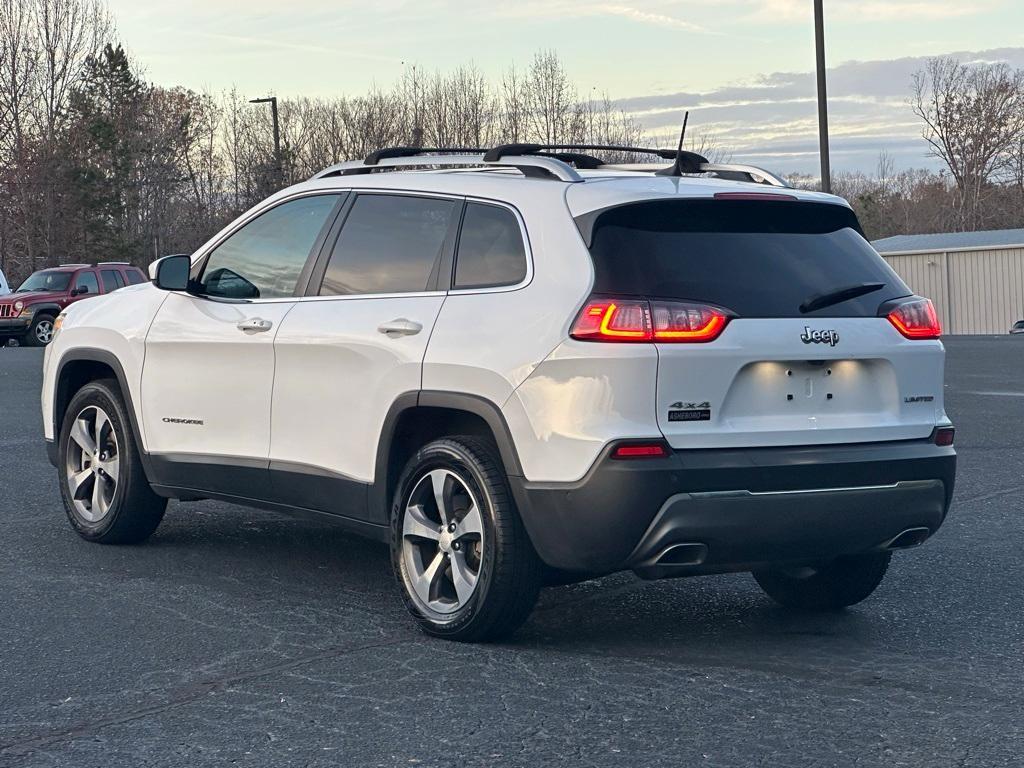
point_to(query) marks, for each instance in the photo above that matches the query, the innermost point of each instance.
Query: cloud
(774, 116)
(653, 13)
(251, 43)
(871, 10)
(677, 14)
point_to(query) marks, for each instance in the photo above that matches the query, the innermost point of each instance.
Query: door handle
(255, 324)
(400, 327)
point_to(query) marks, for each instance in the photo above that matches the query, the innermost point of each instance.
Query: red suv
(29, 312)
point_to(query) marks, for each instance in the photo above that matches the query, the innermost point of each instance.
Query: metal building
(975, 279)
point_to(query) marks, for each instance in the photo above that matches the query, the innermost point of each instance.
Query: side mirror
(79, 290)
(171, 272)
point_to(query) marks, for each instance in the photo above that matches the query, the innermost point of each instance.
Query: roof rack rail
(690, 161)
(74, 265)
(531, 166)
(389, 153)
(121, 263)
(549, 161)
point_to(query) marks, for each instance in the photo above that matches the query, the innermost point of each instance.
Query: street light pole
(272, 101)
(819, 44)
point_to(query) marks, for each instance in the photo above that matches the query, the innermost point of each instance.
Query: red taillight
(944, 436)
(613, 320)
(652, 450)
(916, 319)
(604, 319)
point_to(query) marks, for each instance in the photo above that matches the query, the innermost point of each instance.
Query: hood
(31, 296)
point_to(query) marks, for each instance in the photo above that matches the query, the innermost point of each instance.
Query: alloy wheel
(44, 331)
(93, 463)
(442, 541)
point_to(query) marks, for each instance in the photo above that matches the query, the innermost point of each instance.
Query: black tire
(134, 511)
(510, 573)
(841, 583)
(40, 324)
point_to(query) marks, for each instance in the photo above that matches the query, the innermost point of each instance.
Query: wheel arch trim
(46, 307)
(461, 402)
(104, 357)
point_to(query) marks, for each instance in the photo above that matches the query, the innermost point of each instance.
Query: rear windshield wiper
(839, 295)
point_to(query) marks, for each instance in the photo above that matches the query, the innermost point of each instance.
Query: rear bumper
(740, 509)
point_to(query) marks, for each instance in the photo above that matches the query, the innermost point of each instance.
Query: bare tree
(555, 110)
(973, 115)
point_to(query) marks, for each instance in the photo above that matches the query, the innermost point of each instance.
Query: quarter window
(389, 244)
(135, 277)
(112, 280)
(491, 250)
(264, 258)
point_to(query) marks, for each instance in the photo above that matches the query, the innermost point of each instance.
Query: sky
(744, 68)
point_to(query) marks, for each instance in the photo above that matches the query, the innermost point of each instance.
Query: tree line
(98, 164)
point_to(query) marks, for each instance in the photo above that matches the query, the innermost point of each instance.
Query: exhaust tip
(911, 537)
(683, 554)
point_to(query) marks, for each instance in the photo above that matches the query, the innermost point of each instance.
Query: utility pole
(819, 44)
(272, 101)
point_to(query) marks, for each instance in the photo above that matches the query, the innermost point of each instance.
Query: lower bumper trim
(753, 500)
(742, 530)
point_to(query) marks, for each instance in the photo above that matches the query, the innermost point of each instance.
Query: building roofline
(959, 249)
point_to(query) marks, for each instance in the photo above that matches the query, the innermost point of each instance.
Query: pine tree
(107, 150)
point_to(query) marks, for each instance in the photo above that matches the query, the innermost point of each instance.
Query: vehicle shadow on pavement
(700, 617)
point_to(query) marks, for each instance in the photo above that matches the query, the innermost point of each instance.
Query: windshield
(46, 281)
(756, 258)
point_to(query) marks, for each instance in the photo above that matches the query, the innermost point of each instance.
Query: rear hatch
(796, 363)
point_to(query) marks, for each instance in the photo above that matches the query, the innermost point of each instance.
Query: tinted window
(87, 279)
(135, 276)
(46, 281)
(757, 258)
(112, 280)
(389, 244)
(491, 250)
(263, 259)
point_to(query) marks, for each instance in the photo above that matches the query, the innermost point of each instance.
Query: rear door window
(135, 277)
(389, 244)
(88, 280)
(756, 258)
(491, 251)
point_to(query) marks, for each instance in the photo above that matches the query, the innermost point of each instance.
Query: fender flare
(488, 411)
(47, 307)
(89, 354)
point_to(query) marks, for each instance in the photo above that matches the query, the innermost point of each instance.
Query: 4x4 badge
(681, 411)
(819, 337)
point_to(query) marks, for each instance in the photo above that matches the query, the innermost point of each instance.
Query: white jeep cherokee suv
(522, 366)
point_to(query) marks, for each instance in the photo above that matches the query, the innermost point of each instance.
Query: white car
(523, 366)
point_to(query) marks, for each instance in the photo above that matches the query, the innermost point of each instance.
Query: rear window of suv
(758, 258)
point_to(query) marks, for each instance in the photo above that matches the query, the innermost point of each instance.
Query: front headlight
(57, 325)
(18, 306)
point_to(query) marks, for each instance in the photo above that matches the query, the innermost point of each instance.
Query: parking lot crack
(182, 696)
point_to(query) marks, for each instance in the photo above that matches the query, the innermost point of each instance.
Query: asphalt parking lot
(244, 637)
